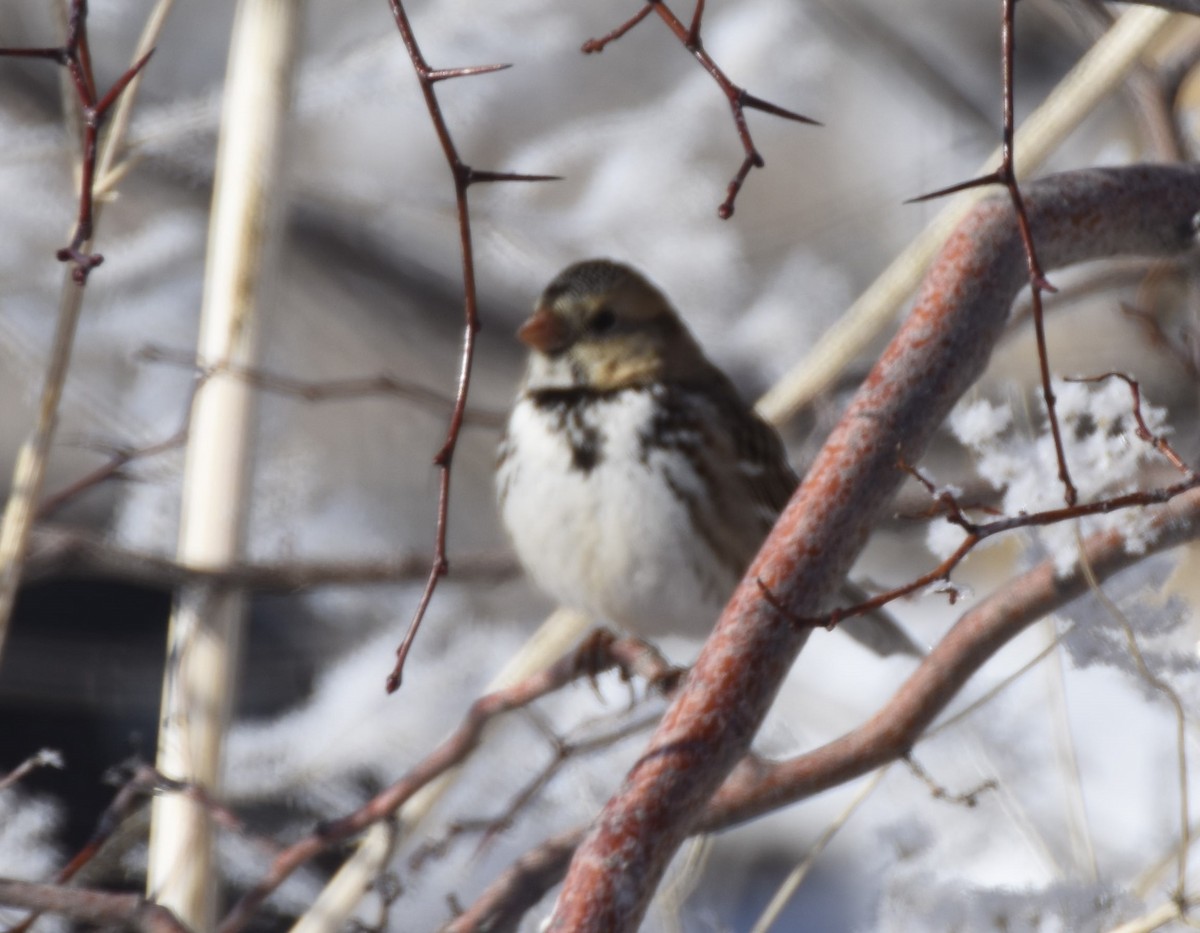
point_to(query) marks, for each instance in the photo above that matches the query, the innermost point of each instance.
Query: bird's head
(603, 326)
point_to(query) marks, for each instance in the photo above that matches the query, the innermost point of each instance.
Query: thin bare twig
(330, 390)
(967, 798)
(1087, 85)
(71, 552)
(562, 751)
(141, 783)
(74, 55)
(29, 473)
(99, 908)
(46, 758)
(464, 176)
(327, 390)
(624, 654)
(1006, 175)
(1157, 441)
(739, 98)
(976, 533)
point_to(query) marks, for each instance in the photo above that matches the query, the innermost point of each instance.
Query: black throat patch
(576, 413)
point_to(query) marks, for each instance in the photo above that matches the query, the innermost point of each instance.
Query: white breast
(612, 540)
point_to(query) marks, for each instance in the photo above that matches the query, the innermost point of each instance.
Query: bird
(635, 483)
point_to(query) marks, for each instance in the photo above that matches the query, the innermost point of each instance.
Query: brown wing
(750, 459)
(758, 451)
(735, 458)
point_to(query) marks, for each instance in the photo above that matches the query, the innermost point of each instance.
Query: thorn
(57, 55)
(480, 177)
(693, 35)
(101, 109)
(444, 74)
(1042, 284)
(981, 182)
(757, 103)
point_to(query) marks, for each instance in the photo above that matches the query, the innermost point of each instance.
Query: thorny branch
(938, 353)
(630, 656)
(309, 391)
(955, 513)
(464, 176)
(1006, 175)
(29, 472)
(757, 786)
(75, 56)
(739, 98)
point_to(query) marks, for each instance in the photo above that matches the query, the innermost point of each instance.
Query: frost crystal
(1103, 453)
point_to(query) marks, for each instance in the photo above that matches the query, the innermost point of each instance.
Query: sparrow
(635, 483)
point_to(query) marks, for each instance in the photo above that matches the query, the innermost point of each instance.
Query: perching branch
(757, 787)
(935, 357)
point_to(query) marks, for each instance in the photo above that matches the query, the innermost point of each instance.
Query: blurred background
(369, 283)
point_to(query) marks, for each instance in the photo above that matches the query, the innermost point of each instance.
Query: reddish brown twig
(966, 798)
(330, 390)
(1157, 441)
(563, 750)
(739, 98)
(627, 655)
(937, 354)
(120, 457)
(464, 176)
(507, 899)
(75, 56)
(142, 782)
(58, 551)
(46, 758)
(96, 908)
(976, 637)
(327, 390)
(1006, 175)
(976, 532)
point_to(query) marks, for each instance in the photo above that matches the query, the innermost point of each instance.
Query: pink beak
(544, 331)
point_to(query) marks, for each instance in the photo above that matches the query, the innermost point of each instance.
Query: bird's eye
(602, 321)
